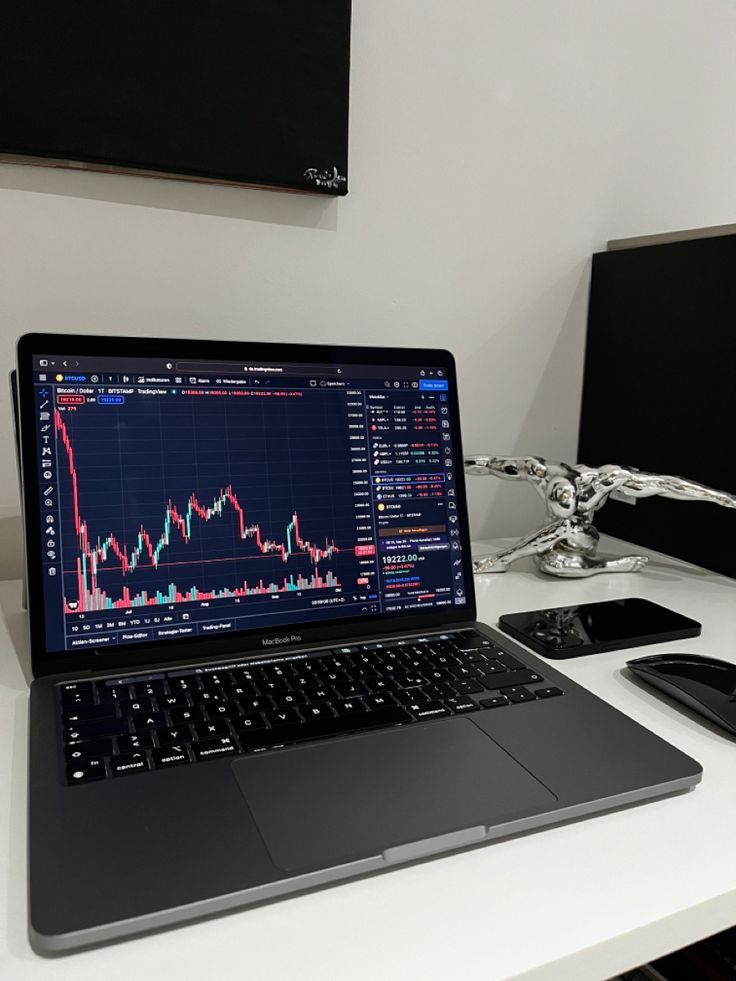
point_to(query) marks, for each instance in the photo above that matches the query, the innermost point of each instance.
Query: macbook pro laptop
(257, 662)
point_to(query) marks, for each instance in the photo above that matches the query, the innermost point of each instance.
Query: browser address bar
(256, 367)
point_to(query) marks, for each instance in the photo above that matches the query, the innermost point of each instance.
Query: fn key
(84, 771)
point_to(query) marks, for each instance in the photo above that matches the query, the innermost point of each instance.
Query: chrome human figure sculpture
(567, 543)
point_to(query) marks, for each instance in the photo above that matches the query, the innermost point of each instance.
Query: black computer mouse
(705, 685)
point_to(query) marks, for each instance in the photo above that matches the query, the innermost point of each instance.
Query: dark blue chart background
(280, 453)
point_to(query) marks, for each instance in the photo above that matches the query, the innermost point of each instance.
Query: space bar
(322, 727)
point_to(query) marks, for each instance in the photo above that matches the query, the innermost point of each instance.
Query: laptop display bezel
(240, 643)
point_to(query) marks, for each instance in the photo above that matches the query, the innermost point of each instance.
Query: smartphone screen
(590, 628)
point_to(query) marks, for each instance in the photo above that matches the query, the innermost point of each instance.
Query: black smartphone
(591, 628)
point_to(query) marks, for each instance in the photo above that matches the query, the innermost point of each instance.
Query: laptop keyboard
(156, 721)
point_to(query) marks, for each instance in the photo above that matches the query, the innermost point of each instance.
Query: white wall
(494, 145)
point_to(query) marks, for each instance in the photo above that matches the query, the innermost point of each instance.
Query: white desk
(580, 901)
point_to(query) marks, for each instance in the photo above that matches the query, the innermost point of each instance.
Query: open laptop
(258, 667)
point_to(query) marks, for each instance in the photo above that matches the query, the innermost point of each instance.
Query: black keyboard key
(366, 660)
(139, 740)
(318, 710)
(493, 666)
(461, 704)
(190, 683)
(168, 702)
(318, 693)
(548, 692)
(510, 679)
(383, 684)
(83, 771)
(248, 723)
(185, 716)
(87, 713)
(132, 705)
(393, 656)
(332, 677)
(93, 730)
(408, 696)
(70, 699)
(417, 650)
(177, 734)
(441, 647)
(209, 730)
(377, 702)
(170, 756)
(224, 746)
(495, 702)
(207, 695)
(78, 693)
(131, 763)
(520, 695)
(465, 671)
(429, 710)
(289, 699)
(350, 689)
(511, 663)
(337, 725)
(236, 691)
(349, 706)
(414, 680)
(439, 691)
(470, 657)
(89, 750)
(148, 689)
(259, 704)
(273, 686)
(221, 710)
(282, 717)
(337, 662)
(114, 693)
(216, 679)
(274, 672)
(466, 687)
(149, 720)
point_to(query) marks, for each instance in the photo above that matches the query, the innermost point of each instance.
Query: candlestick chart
(163, 505)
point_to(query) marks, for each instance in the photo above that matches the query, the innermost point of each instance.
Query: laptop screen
(185, 499)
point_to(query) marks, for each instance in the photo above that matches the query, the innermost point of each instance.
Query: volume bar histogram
(96, 556)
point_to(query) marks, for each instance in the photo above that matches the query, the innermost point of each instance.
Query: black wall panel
(660, 389)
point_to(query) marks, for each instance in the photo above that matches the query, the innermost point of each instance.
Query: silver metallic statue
(566, 545)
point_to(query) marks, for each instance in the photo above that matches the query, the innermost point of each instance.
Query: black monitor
(659, 391)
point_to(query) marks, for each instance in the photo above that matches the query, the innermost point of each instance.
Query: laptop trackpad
(341, 800)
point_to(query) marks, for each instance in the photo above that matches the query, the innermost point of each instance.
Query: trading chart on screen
(178, 503)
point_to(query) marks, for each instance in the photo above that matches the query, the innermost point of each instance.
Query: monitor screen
(183, 499)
